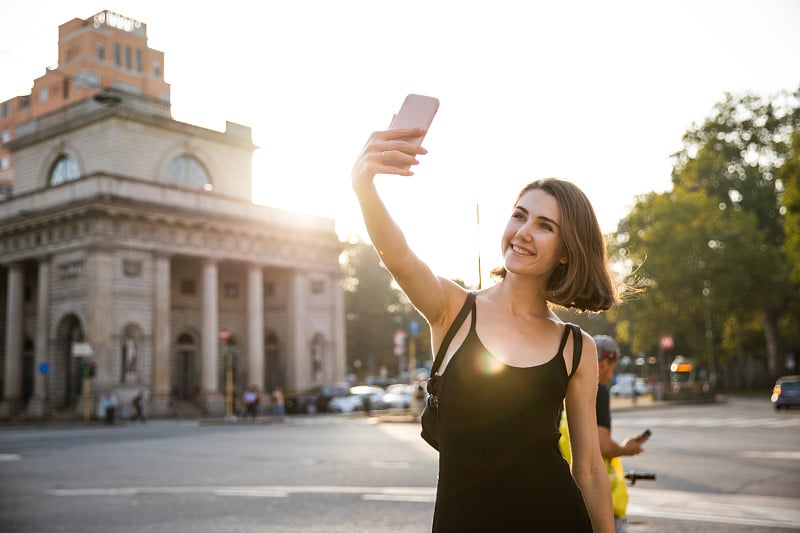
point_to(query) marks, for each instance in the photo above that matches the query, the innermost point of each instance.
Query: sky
(599, 93)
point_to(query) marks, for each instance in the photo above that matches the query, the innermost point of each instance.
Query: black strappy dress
(500, 468)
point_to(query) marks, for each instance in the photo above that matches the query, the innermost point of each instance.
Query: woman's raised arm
(386, 152)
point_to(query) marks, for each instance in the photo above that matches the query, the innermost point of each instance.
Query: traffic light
(91, 370)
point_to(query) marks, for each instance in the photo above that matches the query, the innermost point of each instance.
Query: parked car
(399, 396)
(357, 399)
(316, 399)
(786, 392)
(626, 388)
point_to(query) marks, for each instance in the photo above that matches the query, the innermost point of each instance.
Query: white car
(399, 396)
(626, 388)
(355, 401)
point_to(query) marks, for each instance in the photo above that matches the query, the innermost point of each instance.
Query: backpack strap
(469, 303)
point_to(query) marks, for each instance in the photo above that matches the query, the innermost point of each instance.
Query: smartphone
(644, 436)
(417, 111)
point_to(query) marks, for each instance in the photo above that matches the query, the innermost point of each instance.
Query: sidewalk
(71, 420)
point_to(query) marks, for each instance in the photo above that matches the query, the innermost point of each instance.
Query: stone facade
(127, 267)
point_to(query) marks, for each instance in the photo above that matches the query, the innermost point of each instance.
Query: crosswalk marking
(712, 422)
(741, 509)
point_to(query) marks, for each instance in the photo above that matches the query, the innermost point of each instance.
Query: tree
(375, 308)
(735, 157)
(789, 176)
(701, 265)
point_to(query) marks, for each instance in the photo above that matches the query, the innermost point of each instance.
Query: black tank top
(500, 468)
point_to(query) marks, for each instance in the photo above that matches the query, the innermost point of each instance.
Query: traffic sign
(224, 334)
(399, 342)
(44, 368)
(82, 349)
(666, 342)
(413, 327)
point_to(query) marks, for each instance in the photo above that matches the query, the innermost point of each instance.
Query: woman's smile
(520, 251)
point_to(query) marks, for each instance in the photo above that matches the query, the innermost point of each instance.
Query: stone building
(106, 50)
(130, 248)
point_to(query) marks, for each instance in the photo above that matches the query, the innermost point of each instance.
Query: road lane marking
(8, 457)
(739, 509)
(709, 422)
(390, 465)
(252, 492)
(792, 455)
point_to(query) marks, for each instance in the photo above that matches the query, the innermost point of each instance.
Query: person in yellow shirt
(608, 354)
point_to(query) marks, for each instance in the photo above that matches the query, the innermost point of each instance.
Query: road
(727, 467)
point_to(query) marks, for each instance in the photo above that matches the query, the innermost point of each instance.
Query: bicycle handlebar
(633, 476)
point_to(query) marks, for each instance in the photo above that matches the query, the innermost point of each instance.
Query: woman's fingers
(388, 152)
(395, 158)
(398, 134)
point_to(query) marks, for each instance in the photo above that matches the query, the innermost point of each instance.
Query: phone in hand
(644, 436)
(417, 111)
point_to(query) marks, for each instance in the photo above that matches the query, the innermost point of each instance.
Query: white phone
(417, 111)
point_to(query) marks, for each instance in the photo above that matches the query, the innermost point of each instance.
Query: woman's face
(531, 243)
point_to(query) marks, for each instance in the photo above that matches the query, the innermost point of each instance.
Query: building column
(162, 335)
(99, 326)
(339, 331)
(298, 371)
(213, 401)
(255, 327)
(37, 403)
(12, 384)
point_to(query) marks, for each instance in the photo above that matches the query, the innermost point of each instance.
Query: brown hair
(584, 282)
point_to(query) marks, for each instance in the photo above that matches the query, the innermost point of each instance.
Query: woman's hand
(387, 152)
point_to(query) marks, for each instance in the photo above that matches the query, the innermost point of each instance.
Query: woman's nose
(525, 233)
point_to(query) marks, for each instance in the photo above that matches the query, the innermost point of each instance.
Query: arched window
(65, 169)
(186, 170)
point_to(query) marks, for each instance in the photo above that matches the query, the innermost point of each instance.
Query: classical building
(106, 50)
(130, 250)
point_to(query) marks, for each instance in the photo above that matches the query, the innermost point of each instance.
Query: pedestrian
(138, 407)
(278, 403)
(511, 366)
(420, 395)
(250, 399)
(108, 408)
(608, 354)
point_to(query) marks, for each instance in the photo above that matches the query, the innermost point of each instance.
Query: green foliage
(691, 255)
(713, 252)
(375, 308)
(735, 154)
(789, 176)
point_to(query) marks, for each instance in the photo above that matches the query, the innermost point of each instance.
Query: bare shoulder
(588, 363)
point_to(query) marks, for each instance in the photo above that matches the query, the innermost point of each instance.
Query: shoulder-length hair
(584, 282)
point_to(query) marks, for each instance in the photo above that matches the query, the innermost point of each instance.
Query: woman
(510, 367)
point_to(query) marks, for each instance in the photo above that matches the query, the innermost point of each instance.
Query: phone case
(417, 111)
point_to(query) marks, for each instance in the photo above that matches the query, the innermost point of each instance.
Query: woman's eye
(546, 226)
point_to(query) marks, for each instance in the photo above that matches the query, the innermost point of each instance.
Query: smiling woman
(502, 381)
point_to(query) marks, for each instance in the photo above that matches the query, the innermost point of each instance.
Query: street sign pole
(413, 331)
(225, 337)
(87, 408)
(228, 383)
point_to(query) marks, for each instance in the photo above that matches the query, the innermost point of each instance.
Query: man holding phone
(608, 354)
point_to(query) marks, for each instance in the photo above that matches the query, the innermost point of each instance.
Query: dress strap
(577, 345)
(468, 306)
